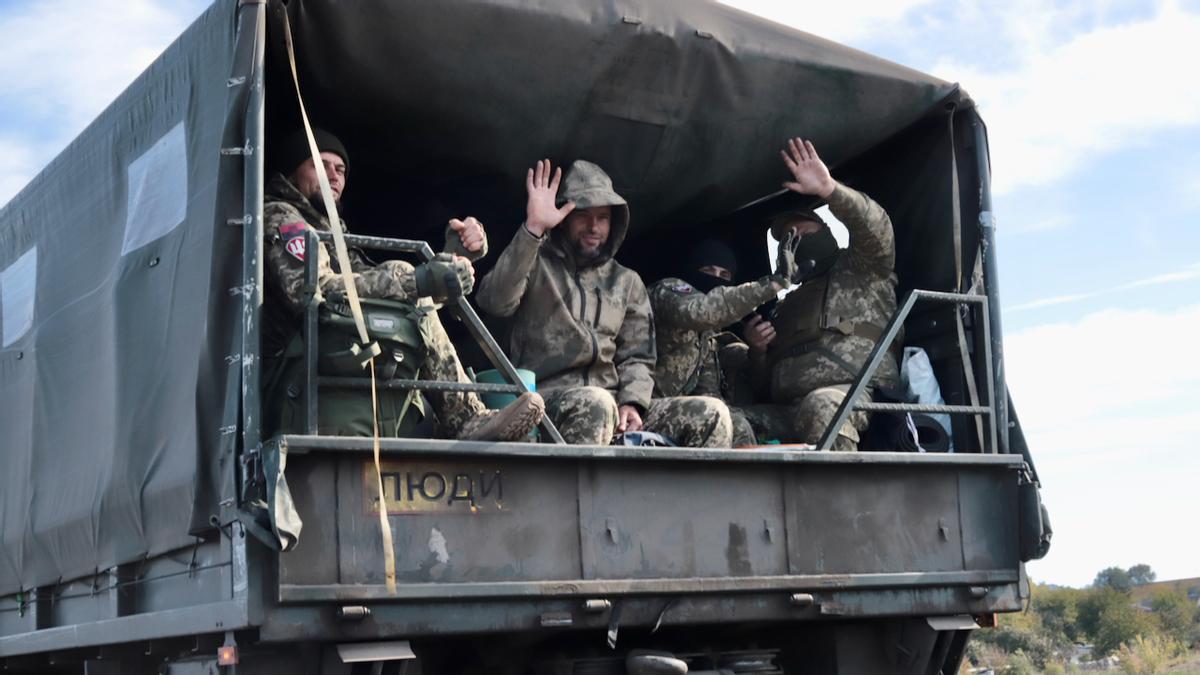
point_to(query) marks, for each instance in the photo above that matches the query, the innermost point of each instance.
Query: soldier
(416, 344)
(694, 357)
(582, 322)
(824, 331)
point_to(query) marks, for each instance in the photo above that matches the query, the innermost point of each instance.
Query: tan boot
(513, 423)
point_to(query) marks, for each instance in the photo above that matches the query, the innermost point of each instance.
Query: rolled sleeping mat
(930, 434)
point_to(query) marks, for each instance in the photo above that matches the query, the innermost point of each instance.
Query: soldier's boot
(512, 423)
(817, 410)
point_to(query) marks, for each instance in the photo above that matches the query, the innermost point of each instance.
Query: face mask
(705, 282)
(815, 254)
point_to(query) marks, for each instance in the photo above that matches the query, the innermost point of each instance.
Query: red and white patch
(295, 246)
(293, 237)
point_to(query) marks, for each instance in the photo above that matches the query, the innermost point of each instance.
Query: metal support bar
(863, 380)
(465, 311)
(252, 242)
(499, 359)
(310, 333)
(246, 586)
(998, 395)
(384, 244)
(789, 584)
(361, 446)
(421, 385)
(927, 409)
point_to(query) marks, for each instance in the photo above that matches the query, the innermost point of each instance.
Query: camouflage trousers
(805, 420)
(346, 412)
(588, 416)
(454, 408)
(743, 430)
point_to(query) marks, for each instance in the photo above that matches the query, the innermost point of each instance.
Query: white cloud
(844, 22)
(21, 161)
(1108, 406)
(1098, 368)
(1190, 273)
(63, 61)
(1066, 104)
(1060, 84)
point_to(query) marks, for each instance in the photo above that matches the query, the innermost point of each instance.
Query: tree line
(1104, 615)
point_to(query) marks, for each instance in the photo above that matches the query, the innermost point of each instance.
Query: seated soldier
(582, 322)
(694, 357)
(398, 301)
(825, 331)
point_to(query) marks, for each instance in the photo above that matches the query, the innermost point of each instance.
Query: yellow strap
(343, 256)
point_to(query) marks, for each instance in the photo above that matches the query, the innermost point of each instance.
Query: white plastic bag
(916, 375)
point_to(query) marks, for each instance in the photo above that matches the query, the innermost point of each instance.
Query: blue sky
(1093, 108)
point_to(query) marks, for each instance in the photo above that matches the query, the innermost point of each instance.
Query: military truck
(143, 508)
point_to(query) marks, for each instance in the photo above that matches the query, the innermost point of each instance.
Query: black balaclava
(816, 252)
(709, 252)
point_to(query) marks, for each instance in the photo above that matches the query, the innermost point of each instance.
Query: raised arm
(871, 236)
(678, 305)
(501, 290)
(870, 227)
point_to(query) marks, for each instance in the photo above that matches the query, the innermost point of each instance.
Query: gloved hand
(446, 277)
(785, 260)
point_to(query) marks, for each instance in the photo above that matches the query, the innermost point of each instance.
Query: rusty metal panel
(524, 527)
(664, 520)
(906, 521)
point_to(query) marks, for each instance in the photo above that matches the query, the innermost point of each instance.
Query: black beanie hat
(779, 221)
(293, 149)
(712, 252)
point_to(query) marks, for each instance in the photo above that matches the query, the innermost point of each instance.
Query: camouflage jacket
(860, 297)
(686, 325)
(574, 325)
(286, 217)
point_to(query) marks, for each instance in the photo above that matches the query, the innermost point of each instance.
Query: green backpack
(400, 328)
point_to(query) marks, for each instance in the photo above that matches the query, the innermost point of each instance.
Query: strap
(343, 256)
(956, 218)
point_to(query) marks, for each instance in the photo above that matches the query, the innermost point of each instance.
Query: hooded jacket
(574, 323)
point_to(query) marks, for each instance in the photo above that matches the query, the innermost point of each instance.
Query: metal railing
(863, 380)
(313, 380)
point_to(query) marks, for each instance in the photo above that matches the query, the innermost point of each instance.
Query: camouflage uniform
(286, 213)
(693, 358)
(848, 307)
(587, 331)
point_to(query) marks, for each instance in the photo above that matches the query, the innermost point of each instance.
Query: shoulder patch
(681, 287)
(293, 237)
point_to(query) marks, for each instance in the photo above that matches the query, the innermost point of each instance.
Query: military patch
(293, 237)
(682, 288)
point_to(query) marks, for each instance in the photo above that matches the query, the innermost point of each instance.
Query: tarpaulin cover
(685, 104)
(111, 397)
(108, 361)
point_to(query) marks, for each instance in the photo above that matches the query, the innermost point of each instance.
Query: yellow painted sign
(435, 487)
